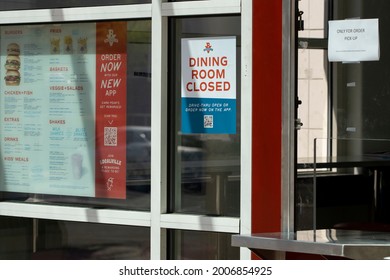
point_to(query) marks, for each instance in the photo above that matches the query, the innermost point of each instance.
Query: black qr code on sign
(110, 136)
(208, 121)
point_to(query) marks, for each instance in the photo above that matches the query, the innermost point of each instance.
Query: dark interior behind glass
(359, 93)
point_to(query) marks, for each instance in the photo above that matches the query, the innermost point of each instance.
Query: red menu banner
(111, 60)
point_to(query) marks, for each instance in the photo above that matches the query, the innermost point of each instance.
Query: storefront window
(205, 116)
(75, 111)
(33, 4)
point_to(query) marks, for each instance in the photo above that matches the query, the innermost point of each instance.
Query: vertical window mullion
(246, 123)
(159, 130)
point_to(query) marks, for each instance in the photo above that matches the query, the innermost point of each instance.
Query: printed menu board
(63, 109)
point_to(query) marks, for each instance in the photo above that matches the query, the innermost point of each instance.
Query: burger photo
(13, 49)
(12, 62)
(12, 78)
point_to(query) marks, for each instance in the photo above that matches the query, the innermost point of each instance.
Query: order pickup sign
(353, 40)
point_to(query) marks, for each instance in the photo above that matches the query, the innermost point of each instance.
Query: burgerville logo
(208, 48)
(111, 37)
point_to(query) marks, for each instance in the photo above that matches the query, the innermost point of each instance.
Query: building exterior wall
(267, 116)
(161, 228)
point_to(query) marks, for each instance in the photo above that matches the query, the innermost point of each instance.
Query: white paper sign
(353, 40)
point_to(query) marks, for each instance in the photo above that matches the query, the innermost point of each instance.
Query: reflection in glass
(28, 4)
(186, 0)
(315, 17)
(138, 115)
(16, 238)
(72, 240)
(23, 238)
(313, 93)
(209, 246)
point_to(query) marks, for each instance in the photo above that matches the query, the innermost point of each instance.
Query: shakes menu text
(63, 109)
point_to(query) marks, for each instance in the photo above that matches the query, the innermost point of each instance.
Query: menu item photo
(12, 62)
(12, 78)
(55, 45)
(68, 41)
(12, 65)
(13, 49)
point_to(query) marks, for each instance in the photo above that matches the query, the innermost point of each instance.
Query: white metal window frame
(157, 219)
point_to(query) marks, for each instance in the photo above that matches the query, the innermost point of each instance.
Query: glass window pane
(89, 142)
(209, 246)
(35, 4)
(313, 94)
(315, 13)
(360, 90)
(23, 239)
(357, 125)
(206, 166)
(72, 240)
(183, 0)
(16, 238)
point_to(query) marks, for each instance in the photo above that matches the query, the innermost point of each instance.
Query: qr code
(110, 136)
(208, 121)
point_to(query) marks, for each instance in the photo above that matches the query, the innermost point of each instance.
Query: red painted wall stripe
(267, 116)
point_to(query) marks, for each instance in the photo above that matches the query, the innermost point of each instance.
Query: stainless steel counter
(351, 244)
